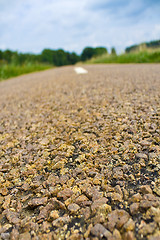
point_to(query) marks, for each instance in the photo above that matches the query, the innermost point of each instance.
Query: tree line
(49, 56)
(143, 46)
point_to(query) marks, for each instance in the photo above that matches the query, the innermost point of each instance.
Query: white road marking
(80, 70)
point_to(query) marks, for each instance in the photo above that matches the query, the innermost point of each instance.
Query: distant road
(79, 153)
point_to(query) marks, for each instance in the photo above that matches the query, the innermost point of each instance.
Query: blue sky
(32, 25)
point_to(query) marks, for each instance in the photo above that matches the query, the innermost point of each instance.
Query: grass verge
(11, 70)
(136, 57)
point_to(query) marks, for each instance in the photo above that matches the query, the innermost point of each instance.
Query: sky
(32, 25)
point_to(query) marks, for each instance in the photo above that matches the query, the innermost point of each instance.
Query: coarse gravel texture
(80, 154)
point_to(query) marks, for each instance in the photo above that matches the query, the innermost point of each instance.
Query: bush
(90, 52)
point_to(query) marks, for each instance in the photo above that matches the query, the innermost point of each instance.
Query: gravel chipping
(80, 154)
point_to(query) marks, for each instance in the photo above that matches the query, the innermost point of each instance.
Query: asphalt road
(80, 154)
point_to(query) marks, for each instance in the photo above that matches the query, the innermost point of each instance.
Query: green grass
(136, 57)
(12, 70)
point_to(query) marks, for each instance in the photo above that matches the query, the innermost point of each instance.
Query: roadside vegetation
(144, 56)
(11, 70)
(13, 63)
(148, 52)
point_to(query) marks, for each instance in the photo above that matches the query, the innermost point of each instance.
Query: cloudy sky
(32, 25)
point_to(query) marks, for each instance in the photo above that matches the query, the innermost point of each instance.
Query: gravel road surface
(80, 154)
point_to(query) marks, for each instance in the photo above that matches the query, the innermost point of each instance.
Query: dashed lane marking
(80, 70)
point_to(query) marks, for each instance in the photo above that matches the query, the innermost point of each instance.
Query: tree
(72, 58)
(87, 53)
(100, 51)
(113, 51)
(47, 56)
(56, 57)
(7, 55)
(90, 52)
(1, 55)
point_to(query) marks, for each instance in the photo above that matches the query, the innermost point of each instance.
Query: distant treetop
(90, 52)
(49, 56)
(143, 46)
